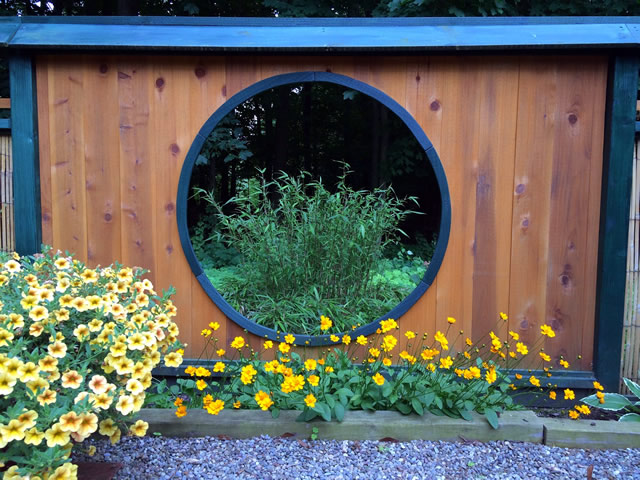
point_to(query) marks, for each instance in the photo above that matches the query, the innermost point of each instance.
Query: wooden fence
(631, 334)
(7, 236)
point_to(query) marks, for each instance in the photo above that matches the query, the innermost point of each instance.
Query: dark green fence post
(614, 218)
(26, 169)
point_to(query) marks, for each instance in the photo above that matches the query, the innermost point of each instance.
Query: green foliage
(307, 252)
(618, 403)
(432, 374)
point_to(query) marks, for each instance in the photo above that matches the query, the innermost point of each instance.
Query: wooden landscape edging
(516, 426)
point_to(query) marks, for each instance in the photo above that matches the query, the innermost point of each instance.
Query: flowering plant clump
(438, 375)
(612, 401)
(77, 346)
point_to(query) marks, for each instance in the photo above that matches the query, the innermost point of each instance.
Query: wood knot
(169, 248)
(435, 106)
(107, 217)
(175, 149)
(169, 207)
(159, 82)
(525, 222)
(200, 72)
(520, 188)
(573, 118)
(417, 78)
(103, 68)
(122, 75)
(46, 217)
(223, 90)
(524, 324)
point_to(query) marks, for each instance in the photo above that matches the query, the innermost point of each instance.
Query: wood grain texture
(524, 180)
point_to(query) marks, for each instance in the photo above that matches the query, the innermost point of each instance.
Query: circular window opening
(312, 196)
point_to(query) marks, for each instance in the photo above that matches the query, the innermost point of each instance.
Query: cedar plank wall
(520, 139)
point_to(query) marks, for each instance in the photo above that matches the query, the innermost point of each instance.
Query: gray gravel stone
(296, 458)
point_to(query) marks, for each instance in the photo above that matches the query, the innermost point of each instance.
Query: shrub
(77, 346)
(308, 252)
(613, 402)
(433, 374)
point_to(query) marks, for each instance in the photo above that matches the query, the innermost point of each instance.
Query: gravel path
(267, 458)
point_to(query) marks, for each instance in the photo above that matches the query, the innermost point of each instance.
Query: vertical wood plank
(531, 196)
(137, 171)
(498, 94)
(66, 110)
(459, 153)
(102, 161)
(566, 270)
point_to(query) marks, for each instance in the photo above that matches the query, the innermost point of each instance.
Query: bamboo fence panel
(7, 233)
(631, 333)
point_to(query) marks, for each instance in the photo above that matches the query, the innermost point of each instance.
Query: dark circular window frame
(296, 78)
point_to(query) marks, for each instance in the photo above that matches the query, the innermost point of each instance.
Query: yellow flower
(534, 381)
(125, 404)
(310, 400)
(388, 325)
(28, 372)
(247, 374)
(379, 379)
(451, 320)
(569, 394)
(346, 339)
(313, 380)
(328, 369)
(220, 352)
(446, 362)
(388, 343)
(564, 363)
(361, 340)
(173, 359)
(284, 348)
(598, 386)
(238, 343)
(205, 332)
(429, 354)
(107, 427)
(518, 376)
(56, 436)
(386, 362)
(442, 340)
(552, 395)
(71, 379)
(215, 407)
(139, 429)
(268, 344)
(263, 400)
(88, 424)
(545, 357)
(38, 313)
(14, 431)
(237, 404)
(289, 339)
(292, 383)
(547, 330)
(98, 384)
(334, 338)
(410, 334)
(219, 367)
(574, 415)
(214, 326)
(325, 323)
(514, 335)
(70, 422)
(490, 375)
(374, 352)
(310, 364)
(57, 349)
(47, 397)
(33, 437)
(521, 348)
(583, 409)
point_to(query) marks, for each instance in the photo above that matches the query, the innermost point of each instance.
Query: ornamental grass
(445, 374)
(77, 346)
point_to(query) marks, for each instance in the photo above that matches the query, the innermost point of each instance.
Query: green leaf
(275, 412)
(466, 414)
(324, 411)
(339, 411)
(438, 402)
(417, 406)
(367, 405)
(629, 417)
(492, 417)
(612, 401)
(330, 401)
(633, 386)
(403, 408)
